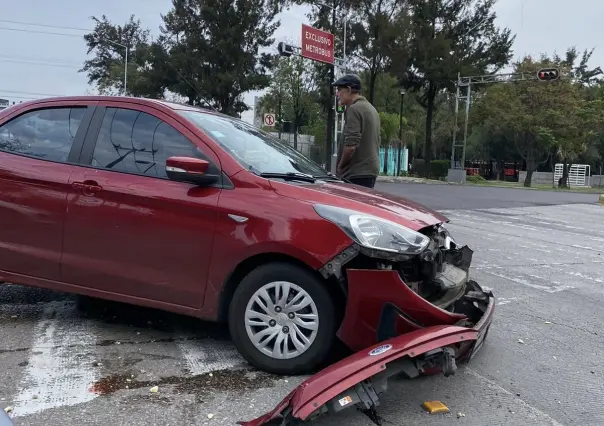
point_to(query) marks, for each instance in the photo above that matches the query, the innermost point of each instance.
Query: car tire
(266, 280)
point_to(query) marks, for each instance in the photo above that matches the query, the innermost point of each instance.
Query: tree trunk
(529, 178)
(563, 183)
(429, 116)
(372, 81)
(386, 149)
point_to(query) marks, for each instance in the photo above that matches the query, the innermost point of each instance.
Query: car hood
(370, 201)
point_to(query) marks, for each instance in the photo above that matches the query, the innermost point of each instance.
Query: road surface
(540, 252)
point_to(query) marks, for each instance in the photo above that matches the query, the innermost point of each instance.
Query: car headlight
(373, 232)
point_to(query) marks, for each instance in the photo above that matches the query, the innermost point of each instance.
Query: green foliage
(475, 179)
(448, 37)
(389, 124)
(208, 50)
(541, 119)
(440, 168)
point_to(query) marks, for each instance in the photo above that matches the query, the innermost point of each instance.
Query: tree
(292, 93)
(215, 47)
(538, 117)
(388, 130)
(448, 37)
(376, 26)
(106, 69)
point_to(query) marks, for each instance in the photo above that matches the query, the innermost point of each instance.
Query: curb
(389, 179)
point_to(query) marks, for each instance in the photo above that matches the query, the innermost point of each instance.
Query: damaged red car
(187, 210)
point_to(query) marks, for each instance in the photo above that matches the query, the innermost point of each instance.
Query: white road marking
(59, 371)
(525, 404)
(207, 355)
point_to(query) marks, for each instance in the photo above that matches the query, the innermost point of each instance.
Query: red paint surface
(317, 44)
(368, 291)
(157, 242)
(333, 380)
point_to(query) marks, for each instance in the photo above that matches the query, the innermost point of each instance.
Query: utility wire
(19, 92)
(38, 63)
(28, 58)
(41, 32)
(45, 25)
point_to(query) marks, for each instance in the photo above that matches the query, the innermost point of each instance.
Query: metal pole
(465, 132)
(126, 71)
(455, 125)
(344, 46)
(331, 111)
(400, 136)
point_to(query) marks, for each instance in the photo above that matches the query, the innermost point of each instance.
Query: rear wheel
(282, 319)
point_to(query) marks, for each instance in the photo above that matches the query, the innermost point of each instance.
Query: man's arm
(351, 137)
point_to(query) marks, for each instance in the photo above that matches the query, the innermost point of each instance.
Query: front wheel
(282, 319)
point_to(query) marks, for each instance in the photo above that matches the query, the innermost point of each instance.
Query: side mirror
(189, 169)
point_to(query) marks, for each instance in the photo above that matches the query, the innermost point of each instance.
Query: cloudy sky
(34, 63)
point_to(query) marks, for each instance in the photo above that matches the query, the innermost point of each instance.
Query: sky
(36, 64)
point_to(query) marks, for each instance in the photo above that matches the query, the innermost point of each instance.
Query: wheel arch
(252, 262)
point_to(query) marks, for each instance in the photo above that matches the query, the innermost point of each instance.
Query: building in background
(4, 103)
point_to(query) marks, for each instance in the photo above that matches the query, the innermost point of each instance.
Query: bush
(475, 179)
(439, 168)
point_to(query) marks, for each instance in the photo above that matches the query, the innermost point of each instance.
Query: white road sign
(269, 120)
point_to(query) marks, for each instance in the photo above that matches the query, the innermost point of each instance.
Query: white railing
(578, 174)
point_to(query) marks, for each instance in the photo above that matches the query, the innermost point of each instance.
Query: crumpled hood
(387, 206)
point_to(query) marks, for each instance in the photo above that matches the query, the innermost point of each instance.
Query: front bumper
(393, 332)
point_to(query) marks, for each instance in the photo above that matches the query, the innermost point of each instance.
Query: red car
(187, 210)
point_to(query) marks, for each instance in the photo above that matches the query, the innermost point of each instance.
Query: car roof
(141, 101)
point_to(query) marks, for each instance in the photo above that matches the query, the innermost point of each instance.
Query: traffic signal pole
(458, 174)
(331, 111)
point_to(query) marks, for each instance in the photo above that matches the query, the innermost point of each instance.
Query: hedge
(439, 168)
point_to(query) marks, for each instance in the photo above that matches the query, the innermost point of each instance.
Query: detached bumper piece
(395, 333)
(359, 380)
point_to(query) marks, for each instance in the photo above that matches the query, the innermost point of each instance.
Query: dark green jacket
(361, 130)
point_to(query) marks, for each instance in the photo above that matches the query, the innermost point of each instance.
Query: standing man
(359, 147)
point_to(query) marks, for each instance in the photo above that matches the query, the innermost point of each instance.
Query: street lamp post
(400, 133)
(125, 63)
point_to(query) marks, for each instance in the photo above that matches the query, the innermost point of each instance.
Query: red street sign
(317, 45)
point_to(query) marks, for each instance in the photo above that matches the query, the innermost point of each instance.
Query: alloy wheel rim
(281, 320)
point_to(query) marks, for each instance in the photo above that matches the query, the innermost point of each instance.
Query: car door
(129, 230)
(37, 148)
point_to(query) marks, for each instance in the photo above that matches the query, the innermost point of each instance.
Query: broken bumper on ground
(411, 337)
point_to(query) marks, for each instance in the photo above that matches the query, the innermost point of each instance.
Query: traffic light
(548, 74)
(285, 49)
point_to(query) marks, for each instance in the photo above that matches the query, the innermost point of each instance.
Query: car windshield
(253, 148)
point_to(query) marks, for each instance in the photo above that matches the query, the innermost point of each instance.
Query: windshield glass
(253, 148)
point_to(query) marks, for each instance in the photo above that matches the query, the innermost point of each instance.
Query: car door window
(47, 134)
(132, 141)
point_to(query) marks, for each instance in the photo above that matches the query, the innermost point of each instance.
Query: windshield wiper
(290, 176)
(329, 175)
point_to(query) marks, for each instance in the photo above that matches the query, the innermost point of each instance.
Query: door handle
(88, 187)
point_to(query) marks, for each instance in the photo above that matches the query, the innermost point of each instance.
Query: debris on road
(210, 416)
(521, 341)
(435, 407)
(154, 389)
(459, 415)
(547, 322)
(8, 410)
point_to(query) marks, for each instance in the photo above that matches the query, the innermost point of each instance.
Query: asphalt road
(540, 252)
